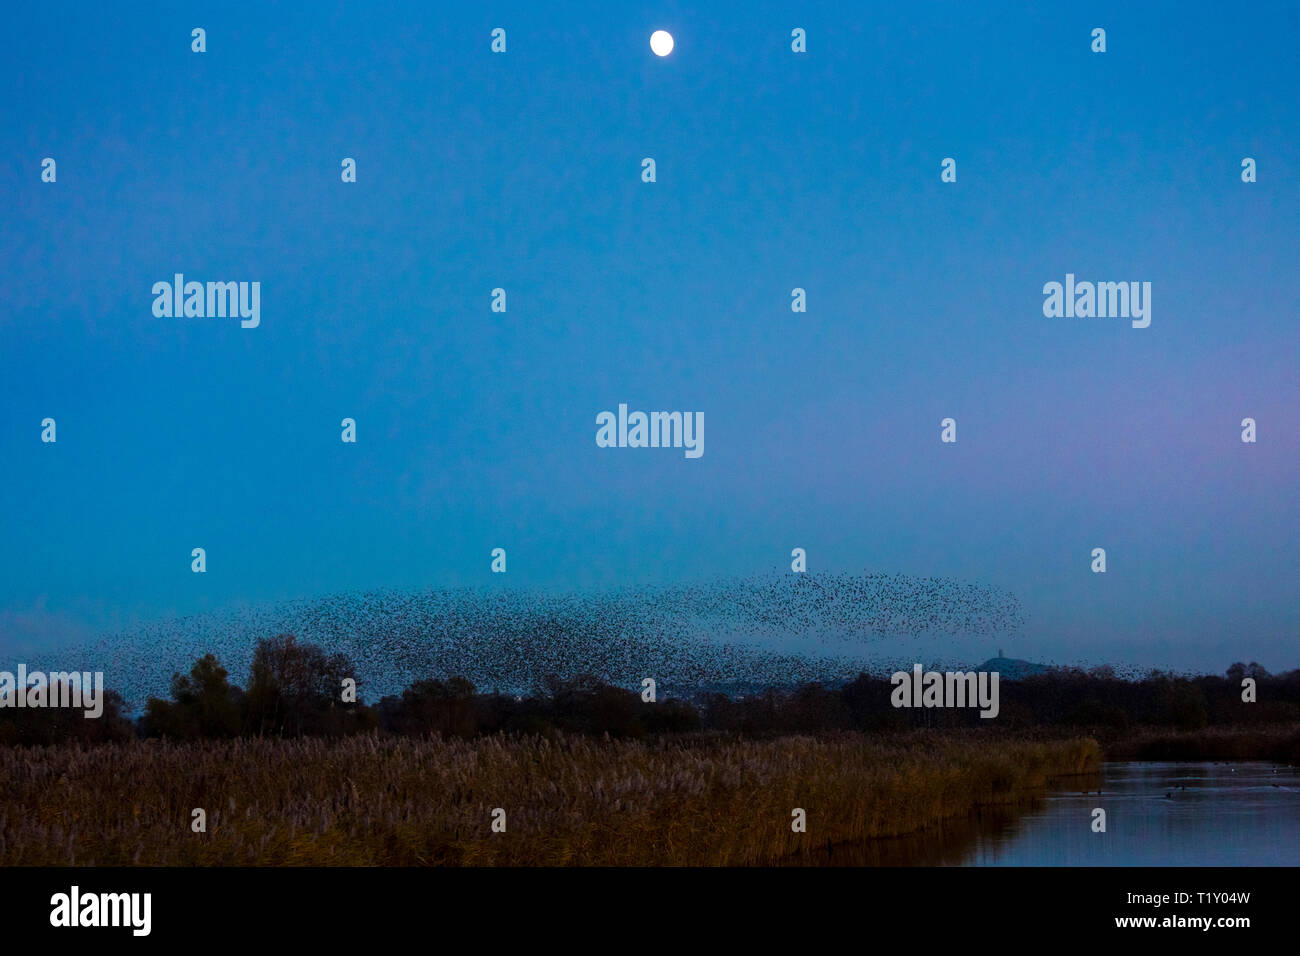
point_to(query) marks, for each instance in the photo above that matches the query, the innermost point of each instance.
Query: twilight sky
(775, 170)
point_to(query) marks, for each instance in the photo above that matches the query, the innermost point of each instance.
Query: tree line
(295, 688)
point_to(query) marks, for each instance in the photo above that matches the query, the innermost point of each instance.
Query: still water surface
(1157, 814)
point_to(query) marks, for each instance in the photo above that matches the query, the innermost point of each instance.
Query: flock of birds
(721, 632)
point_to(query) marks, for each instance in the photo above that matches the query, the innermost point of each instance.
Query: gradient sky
(775, 170)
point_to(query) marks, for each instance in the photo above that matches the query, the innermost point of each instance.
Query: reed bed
(369, 800)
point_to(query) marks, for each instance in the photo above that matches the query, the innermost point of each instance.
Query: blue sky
(775, 170)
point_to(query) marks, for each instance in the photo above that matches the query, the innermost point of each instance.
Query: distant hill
(1011, 668)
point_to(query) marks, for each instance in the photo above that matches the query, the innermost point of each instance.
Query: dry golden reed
(369, 800)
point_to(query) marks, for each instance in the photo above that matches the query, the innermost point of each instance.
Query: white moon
(661, 41)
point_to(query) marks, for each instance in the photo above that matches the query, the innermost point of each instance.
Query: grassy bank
(391, 801)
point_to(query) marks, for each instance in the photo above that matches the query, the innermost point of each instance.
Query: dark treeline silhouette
(294, 689)
(1061, 697)
(297, 689)
(55, 725)
(583, 705)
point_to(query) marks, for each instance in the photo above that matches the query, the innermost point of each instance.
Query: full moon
(661, 41)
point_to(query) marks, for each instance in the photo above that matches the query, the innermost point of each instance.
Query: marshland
(371, 800)
(281, 772)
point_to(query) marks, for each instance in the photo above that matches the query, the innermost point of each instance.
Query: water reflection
(1157, 814)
